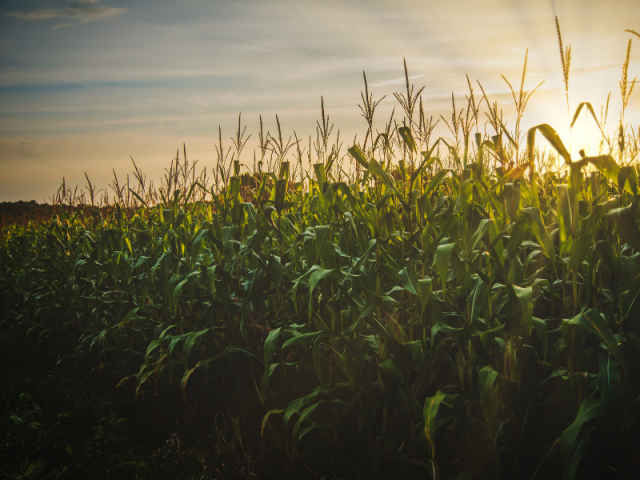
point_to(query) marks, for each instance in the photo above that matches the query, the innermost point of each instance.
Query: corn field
(464, 308)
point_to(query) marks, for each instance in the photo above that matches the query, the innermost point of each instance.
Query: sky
(86, 85)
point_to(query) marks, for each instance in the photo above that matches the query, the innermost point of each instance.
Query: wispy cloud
(82, 10)
(395, 81)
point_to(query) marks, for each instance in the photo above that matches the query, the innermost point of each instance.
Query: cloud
(395, 81)
(62, 25)
(18, 147)
(81, 10)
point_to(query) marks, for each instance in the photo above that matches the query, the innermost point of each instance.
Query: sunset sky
(86, 84)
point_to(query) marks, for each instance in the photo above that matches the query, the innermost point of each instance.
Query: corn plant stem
(575, 291)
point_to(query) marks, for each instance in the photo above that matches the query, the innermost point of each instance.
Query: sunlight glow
(585, 135)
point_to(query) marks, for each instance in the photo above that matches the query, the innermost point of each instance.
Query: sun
(585, 135)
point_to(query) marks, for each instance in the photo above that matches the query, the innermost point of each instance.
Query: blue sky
(86, 84)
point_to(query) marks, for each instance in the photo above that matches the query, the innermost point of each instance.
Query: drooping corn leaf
(552, 137)
(269, 347)
(589, 409)
(429, 413)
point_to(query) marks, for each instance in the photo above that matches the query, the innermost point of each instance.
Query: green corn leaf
(321, 176)
(265, 419)
(405, 133)
(202, 366)
(489, 399)
(234, 188)
(589, 409)
(139, 198)
(552, 137)
(330, 161)
(327, 201)
(361, 261)
(269, 347)
(477, 299)
(190, 192)
(582, 244)
(610, 387)
(590, 109)
(525, 299)
(543, 335)
(274, 270)
(512, 195)
(376, 170)
(280, 190)
(366, 315)
(454, 153)
(127, 318)
(429, 413)
(565, 221)
(306, 413)
(466, 195)
(593, 322)
(424, 293)
(297, 404)
(606, 165)
(435, 181)
(345, 368)
(185, 379)
(175, 298)
(385, 139)
(284, 172)
(190, 342)
(168, 215)
(578, 453)
(150, 348)
(517, 237)
(303, 278)
(300, 339)
(458, 335)
(531, 216)
(174, 342)
(426, 162)
(481, 231)
(629, 303)
(211, 271)
(196, 244)
(627, 226)
(244, 351)
(262, 187)
(416, 348)
(316, 276)
(627, 175)
(165, 332)
(406, 282)
(442, 262)
(358, 156)
(324, 246)
(391, 368)
(487, 337)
